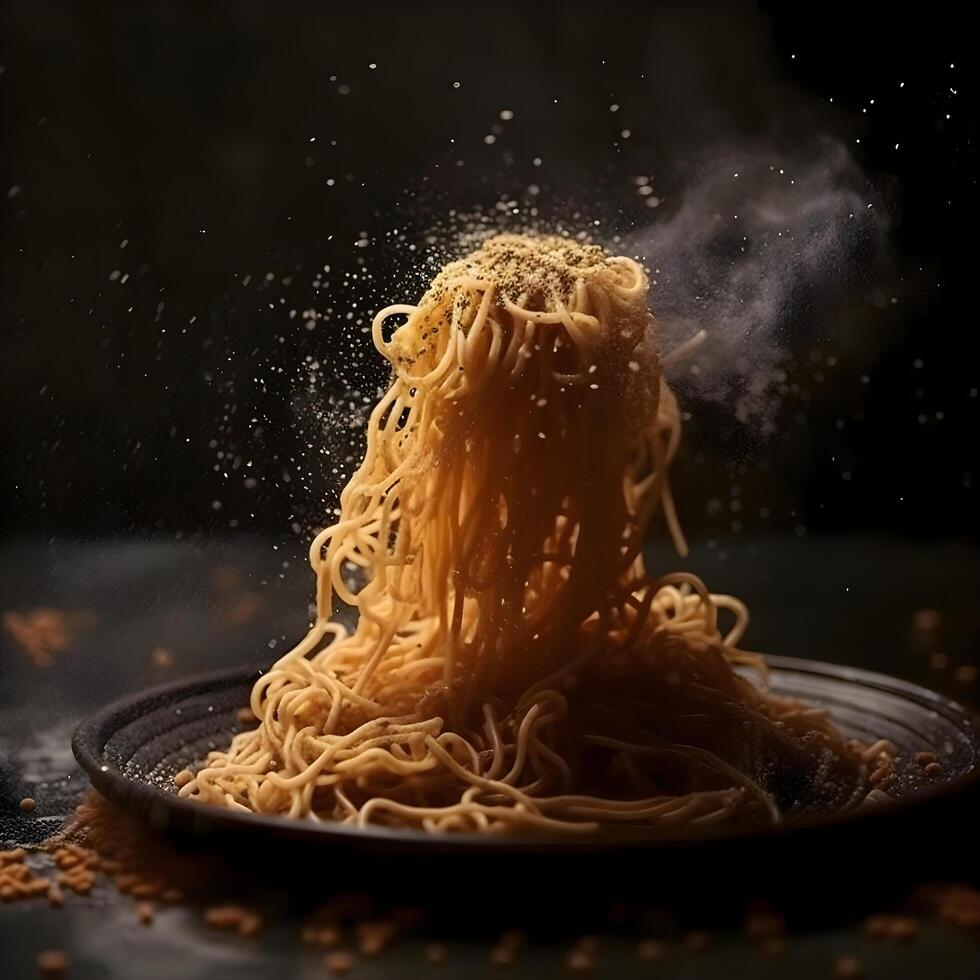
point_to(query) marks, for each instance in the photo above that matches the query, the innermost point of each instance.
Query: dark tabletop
(148, 611)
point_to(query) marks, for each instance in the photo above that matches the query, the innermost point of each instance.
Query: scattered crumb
(580, 960)
(898, 928)
(339, 962)
(903, 929)
(926, 619)
(436, 953)
(501, 955)
(43, 634)
(144, 912)
(847, 967)
(953, 902)
(373, 937)
(650, 949)
(52, 963)
(250, 925)
(240, 611)
(28, 804)
(233, 918)
(324, 936)
(223, 916)
(17, 879)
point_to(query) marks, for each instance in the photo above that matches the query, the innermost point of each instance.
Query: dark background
(188, 185)
(184, 130)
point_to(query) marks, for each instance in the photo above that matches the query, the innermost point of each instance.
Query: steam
(760, 247)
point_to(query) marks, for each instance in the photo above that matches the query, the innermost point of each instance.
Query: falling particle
(506, 114)
(372, 66)
(455, 84)
(626, 134)
(216, 505)
(536, 161)
(614, 107)
(13, 192)
(489, 139)
(343, 89)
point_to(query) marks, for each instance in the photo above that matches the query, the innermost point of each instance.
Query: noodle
(514, 667)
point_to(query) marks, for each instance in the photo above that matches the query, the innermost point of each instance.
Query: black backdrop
(176, 176)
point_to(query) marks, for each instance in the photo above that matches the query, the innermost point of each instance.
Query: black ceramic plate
(132, 749)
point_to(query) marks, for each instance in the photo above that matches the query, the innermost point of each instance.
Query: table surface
(211, 604)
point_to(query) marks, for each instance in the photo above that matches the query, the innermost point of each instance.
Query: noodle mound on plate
(514, 666)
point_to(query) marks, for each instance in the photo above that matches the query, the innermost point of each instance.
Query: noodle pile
(514, 667)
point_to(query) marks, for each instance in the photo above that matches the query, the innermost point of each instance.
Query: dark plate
(132, 749)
